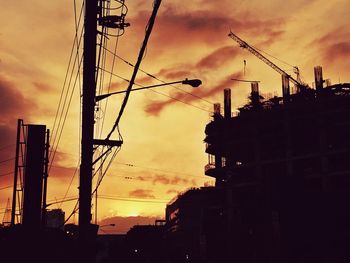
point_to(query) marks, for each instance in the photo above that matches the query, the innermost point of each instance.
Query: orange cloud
(217, 58)
(174, 73)
(173, 192)
(142, 193)
(336, 51)
(178, 28)
(162, 179)
(12, 102)
(210, 62)
(13, 106)
(156, 107)
(334, 45)
(42, 87)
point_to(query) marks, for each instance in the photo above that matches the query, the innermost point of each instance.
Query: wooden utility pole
(89, 92)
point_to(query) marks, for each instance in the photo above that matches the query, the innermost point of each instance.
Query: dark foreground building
(145, 243)
(196, 226)
(284, 165)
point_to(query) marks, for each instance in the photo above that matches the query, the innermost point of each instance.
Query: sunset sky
(163, 151)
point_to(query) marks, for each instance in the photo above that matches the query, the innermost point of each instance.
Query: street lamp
(192, 82)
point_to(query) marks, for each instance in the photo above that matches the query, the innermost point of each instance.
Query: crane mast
(245, 45)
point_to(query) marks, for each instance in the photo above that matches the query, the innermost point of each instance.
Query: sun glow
(134, 213)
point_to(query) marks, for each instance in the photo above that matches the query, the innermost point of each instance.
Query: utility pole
(46, 175)
(15, 177)
(89, 92)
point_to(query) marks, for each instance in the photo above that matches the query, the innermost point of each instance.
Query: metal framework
(252, 50)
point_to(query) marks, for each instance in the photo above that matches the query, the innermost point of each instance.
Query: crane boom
(245, 45)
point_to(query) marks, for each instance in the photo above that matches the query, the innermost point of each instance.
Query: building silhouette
(55, 218)
(145, 243)
(283, 163)
(196, 225)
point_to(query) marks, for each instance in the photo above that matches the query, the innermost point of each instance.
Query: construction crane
(300, 85)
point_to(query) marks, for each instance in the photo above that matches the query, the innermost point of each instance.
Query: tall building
(283, 163)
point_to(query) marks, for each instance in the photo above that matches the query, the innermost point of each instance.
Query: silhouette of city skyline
(279, 162)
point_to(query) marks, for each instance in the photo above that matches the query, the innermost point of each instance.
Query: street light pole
(192, 82)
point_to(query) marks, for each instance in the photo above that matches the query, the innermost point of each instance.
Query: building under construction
(283, 164)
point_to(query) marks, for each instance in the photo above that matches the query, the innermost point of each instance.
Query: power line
(70, 184)
(104, 173)
(65, 117)
(110, 78)
(189, 104)
(6, 174)
(60, 108)
(131, 200)
(117, 198)
(76, 208)
(60, 201)
(160, 93)
(66, 76)
(156, 78)
(138, 62)
(6, 146)
(7, 160)
(160, 170)
(6, 187)
(76, 44)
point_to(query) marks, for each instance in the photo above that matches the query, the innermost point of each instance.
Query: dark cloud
(217, 58)
(156, 107)
(146, 80)
(334, 45)
(64, 174)
(183, 28)
(212, 61)
(13, 104)
(336, 35)
(162, 179)
(116, 86)
(270, 38)
(175, 73)
(42, 87)
(123, 85)
(336, 51)
(158, 179)
(142, 193)
(7, 140)
(143, 178)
